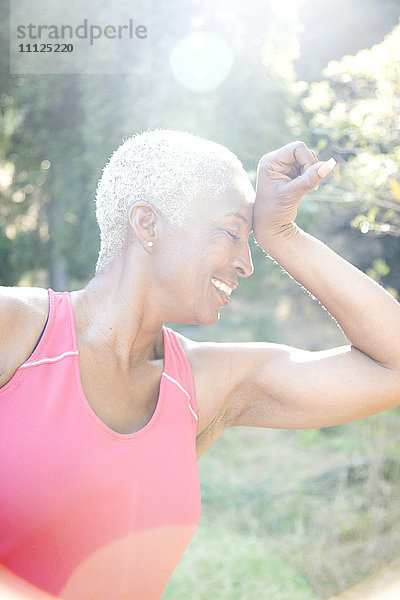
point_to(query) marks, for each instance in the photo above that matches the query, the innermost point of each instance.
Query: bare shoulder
(23, 314)
(21, 304)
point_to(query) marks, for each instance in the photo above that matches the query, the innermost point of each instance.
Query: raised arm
(286, 387)
(368, 315)
(269, 385)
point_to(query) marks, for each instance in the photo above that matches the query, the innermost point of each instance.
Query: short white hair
(168, 169)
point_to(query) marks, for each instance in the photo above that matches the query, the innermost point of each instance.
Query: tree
(60, 129)
(353, 114)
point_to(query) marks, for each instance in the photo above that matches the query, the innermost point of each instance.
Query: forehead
(237, 199)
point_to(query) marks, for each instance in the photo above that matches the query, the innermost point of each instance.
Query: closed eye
(235, 237)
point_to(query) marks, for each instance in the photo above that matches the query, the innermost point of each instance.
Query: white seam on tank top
(183, 390)
(49, 360)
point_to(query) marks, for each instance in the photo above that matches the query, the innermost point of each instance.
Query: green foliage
(71, 124)
(332, 30)
(353, 114)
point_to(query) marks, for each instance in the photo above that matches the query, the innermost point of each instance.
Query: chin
(207, 321)
(199, 313)
(210, 320)
(199, 320)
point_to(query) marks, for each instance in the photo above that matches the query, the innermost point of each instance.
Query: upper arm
(23, 314)
(284, 387)
(271, 385)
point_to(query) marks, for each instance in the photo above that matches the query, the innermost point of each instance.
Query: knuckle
(264, 159)
(300, 144)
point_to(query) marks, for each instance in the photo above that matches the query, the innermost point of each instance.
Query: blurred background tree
(58, 131)
(353, 114)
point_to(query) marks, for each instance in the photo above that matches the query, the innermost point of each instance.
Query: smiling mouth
(223, 289)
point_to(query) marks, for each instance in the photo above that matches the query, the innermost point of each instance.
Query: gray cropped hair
(168, 169)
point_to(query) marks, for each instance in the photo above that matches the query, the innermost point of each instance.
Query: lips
(224, 290)
(222, 286)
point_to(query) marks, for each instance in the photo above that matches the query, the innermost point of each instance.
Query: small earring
(150, 244)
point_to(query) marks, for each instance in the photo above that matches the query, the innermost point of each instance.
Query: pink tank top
(87, 513)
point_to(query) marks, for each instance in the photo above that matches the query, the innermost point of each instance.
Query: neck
(114, 314)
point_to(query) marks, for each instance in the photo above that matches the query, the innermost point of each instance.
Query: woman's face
(200, 264)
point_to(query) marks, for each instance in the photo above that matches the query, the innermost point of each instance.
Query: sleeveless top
(87, 513)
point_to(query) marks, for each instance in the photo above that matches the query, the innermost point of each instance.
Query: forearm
(367, 314)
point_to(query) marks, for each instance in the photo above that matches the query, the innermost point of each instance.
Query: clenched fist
(284, 176)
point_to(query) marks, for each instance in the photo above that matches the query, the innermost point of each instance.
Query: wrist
(274, 243)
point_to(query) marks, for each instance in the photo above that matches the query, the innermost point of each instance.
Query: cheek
(194, 260)
(179, 268)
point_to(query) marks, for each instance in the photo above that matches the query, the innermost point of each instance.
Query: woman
(103, 409)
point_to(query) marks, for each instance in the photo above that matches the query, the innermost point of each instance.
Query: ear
(145, 223)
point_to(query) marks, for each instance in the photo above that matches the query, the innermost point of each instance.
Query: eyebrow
(237, 215)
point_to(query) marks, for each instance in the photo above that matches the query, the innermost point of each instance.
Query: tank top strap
(57, 339)
(177, 367)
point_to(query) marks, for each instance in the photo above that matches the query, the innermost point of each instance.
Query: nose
(243, 263)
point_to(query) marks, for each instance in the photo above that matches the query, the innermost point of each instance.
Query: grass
(223, 564)
(294, 514)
